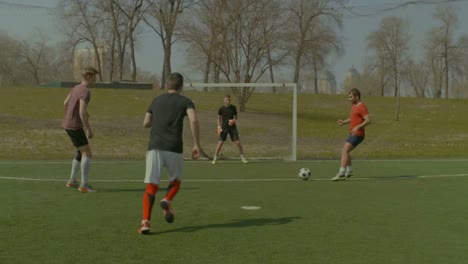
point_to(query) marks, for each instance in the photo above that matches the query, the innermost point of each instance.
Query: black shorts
(232, 131)
(78, 137)
(354, 140)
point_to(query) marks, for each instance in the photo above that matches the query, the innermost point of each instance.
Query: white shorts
(156, 160)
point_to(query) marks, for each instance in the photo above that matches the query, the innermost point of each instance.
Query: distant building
(352, 78)
(326, 84)
(87, 57)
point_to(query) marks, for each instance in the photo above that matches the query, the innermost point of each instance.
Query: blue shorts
(354, 140)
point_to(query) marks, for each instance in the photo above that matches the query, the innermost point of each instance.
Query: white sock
(342, 171)
(74, 170)
(214, 158)
(348, 168)
(85, 161)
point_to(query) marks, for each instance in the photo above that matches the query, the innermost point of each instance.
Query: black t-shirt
(168, 113)
(226, 113)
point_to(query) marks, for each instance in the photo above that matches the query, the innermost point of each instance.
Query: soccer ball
(304, 174)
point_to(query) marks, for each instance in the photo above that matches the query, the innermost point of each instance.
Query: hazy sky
(20, 22)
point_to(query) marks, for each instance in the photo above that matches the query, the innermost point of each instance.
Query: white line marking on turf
(250, 207)
(439, 176)
(32, 162)
(244, 180)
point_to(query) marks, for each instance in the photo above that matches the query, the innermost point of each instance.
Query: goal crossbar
(294, 104)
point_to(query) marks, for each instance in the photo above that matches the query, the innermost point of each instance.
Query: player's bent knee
(78, 156)
(152, 188)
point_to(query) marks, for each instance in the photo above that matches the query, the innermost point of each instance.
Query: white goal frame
(264, 85)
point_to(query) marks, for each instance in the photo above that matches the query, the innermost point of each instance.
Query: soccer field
(390, 211)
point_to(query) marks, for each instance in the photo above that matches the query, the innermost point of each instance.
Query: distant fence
(108, 85)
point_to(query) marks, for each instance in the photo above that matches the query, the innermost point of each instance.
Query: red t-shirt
(358, 112)
(71, 119)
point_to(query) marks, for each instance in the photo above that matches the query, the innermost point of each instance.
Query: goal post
(292, 86)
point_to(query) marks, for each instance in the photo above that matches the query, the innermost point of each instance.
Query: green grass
(30, 126)
(385, 214)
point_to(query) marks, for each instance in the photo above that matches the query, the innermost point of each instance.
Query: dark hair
(227, 96)
(355, 92)
(175, 81)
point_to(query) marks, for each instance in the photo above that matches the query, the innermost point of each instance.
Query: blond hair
(89, 71)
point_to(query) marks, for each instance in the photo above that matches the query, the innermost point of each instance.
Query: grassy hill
(30, 125)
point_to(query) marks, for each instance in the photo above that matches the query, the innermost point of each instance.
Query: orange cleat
(86, 189)
(73, 184)
(144, 228)
(167, 210)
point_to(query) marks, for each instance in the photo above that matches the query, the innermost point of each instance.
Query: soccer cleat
(73, 184)
(244, 160)
(213, 162)
(167, 210)
(144, 228)
(339, 177)
(86, 189)
(348, 174)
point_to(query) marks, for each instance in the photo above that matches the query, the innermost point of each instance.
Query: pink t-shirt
(71, 119)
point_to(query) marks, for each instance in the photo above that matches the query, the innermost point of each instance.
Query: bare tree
(449, 19)
(118, 38)
(33, 53)
(201, 32)
(376, 43)
(435, 60)
(161, 16)
(305, 35)
(273, 27)
(133, 11)
(245, 39)
(329, 42)
(368, 82)
(209, 28)
(394, 39)
(84, 23)
(417, 75)
(59, 67)
(9, 53)
(237, 40)
(460, 72)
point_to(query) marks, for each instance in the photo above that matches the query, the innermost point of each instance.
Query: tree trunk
(132, 55)
(315, 79)
(206, 73)
(297, 67)
(167, 61)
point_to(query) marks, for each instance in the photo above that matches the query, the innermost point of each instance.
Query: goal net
(267, 118)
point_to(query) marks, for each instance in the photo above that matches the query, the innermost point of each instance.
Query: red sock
(148, 200)
(172, 190)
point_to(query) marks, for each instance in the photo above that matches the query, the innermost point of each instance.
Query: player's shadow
(235, 223)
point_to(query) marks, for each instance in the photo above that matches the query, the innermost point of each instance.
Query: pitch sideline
(248, 180)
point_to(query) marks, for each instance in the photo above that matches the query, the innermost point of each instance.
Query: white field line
(34, 162)
(242, 180)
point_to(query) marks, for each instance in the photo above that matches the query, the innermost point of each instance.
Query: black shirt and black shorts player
(227, 113)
